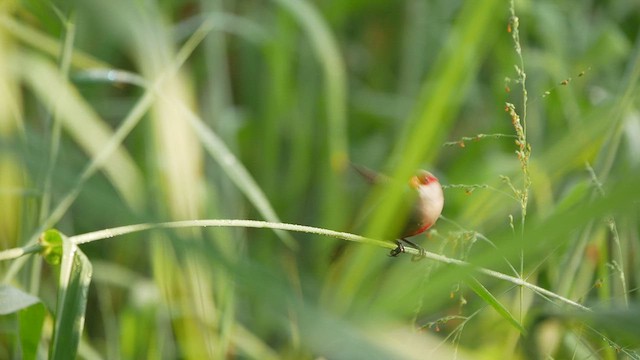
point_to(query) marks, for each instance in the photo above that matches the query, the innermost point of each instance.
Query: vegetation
(174, 179)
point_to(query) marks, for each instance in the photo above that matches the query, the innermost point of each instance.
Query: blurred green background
(123, 112)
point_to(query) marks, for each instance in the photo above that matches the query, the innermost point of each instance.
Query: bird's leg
(421, 251)
(399, 249)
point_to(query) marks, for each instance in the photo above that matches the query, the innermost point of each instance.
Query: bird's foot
(420, 256)
(421, 252)
(399, 249)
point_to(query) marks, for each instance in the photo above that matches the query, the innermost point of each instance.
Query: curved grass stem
(129, 229)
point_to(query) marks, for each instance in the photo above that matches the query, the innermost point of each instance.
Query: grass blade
(488, 297)
(73, 286)
(31, 313)
(31, 320)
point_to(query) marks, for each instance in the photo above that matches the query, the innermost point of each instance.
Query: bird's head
(423, 178)
(431, 198)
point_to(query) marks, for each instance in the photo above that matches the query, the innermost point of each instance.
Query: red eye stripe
(429, 179)
(423, 178)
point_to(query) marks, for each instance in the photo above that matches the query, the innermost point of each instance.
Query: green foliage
(26, 315)
(51, 242)
(124, 122)
(73, 288)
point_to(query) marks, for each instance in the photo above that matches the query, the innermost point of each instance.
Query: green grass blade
(31, 320)
(73, 286)
(238, 174)
(13, 299)
(491, 300)
(31, 313)
(328, 53)
(46, 44)
(82, 123)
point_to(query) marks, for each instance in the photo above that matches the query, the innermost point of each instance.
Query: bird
(425, 210)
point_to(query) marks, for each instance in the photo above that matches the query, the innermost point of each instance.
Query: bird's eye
(421, 179)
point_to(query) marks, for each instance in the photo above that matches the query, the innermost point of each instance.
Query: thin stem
(109, 233)
(469, 188)
(129, 229)
(54, 147)
(520, 124)
(462, 141)
(127, 125)
(613, 228)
